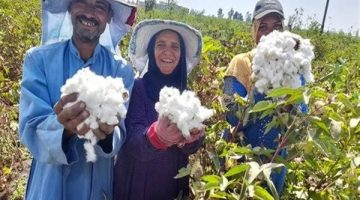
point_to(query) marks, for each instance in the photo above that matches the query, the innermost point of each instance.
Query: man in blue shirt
(59, 169)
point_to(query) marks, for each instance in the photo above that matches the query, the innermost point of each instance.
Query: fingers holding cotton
(104, 98)
(185, 110)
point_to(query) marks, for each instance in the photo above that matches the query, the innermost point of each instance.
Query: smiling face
(167, 51)
(89, 18)
(268, 23)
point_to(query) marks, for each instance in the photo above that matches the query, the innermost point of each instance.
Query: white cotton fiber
(104, 98)
(185, 110)
(281, 58)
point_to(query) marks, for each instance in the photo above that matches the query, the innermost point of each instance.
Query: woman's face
(267, 24)
(167, 51)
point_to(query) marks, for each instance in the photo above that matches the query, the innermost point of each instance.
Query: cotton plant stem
(325, 178)
(243, 189)
(287, 134)
(326, 175)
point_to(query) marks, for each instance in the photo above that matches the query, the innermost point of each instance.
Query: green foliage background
(321, 165)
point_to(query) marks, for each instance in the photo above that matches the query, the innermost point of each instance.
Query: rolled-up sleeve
(39, 128)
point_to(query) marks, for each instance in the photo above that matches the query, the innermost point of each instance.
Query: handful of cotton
(104, 98)
(281, 59)
(184, 110)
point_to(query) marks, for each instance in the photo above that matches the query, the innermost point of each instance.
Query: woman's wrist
(154, 139)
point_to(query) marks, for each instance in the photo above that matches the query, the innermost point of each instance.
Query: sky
(342, 14)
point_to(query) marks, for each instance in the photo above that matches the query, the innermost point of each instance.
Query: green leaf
(262, 106)
(266, 113)
(211, 178)
(210, 186)
(253, 172)
(215, 159)
(2, 78)
(236, 170)
(273, 124)
(279, 92)
(308, 147)
(185, 171)
(246, 116)
(242, 150)
(219, 195)
(335, 116)
(345, 100)
(327, 147)
(261, 193)
(295, 99)
(319, 124)
(224, 183)
(319, 93)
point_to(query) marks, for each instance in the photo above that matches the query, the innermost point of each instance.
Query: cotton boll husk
(281, 59)
(104, 98)
(185, 110)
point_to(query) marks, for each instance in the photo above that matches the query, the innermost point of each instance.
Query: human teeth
(167, 60)
(87, 23)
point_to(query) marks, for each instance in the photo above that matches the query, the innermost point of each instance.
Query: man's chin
(86, 37)
(89, 39)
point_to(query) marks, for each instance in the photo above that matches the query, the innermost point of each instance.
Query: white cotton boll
(185, 110)
(335, 129)
(104, 98)
(90, 152)
(281, 58)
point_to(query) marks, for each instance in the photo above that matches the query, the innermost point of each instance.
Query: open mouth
(167, 60)
(89, 22)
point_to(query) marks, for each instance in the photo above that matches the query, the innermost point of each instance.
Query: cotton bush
(281, 59)
(104, 98)
(185, 110)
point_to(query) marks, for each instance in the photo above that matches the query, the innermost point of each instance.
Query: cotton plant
(104, 98)
(281, 59)
(184, 110)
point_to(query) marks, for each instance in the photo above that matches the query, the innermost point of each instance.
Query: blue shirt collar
(76, 52)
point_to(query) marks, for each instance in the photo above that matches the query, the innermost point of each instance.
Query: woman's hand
(195, 135)
(167, 132)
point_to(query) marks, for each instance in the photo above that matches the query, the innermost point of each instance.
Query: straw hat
(57, 26)
(146, 29)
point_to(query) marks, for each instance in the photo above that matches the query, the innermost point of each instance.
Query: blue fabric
(278, 178)
(59, 171)
(232, 86)
(254, 131)
(155, 80)
(303, 107)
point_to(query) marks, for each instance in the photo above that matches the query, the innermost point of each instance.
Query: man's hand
(104, 130)
(70, 117)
